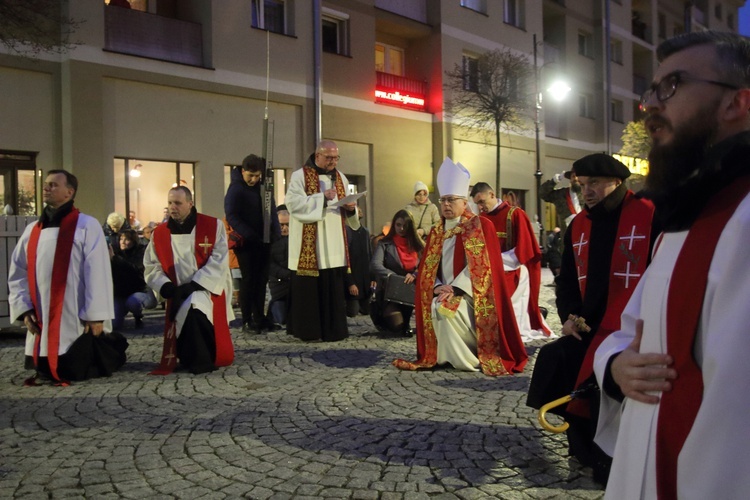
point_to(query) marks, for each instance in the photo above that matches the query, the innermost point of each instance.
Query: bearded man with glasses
(464, 314)
(676, 378)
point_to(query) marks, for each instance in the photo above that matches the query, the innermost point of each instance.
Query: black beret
(600, 165)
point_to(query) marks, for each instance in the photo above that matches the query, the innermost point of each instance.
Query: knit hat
(420, 186)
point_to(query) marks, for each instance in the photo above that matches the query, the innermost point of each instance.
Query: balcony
(136, 33)
(400, 91)
(413, 9)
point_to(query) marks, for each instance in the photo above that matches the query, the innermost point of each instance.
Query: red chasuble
(205, 237)
(629, 258)
(59, 280)
(519, 236)
(687, 288)
(499, 346)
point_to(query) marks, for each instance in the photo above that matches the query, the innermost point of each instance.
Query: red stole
(687, 290)
(569, 201)
(629, 258)
(515, 232)
(205, 237)
(307, 264)
(499, 346)
(59, 280)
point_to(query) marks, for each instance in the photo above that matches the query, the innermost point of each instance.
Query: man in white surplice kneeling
(187, 263)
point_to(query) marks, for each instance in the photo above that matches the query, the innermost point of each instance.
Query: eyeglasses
(667, 86)
(450, 199)
(330, 158)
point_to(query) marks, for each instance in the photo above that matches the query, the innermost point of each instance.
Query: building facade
(175, 92)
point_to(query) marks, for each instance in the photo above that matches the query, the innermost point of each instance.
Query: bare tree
(635, 140)
(28, 27)
(488, 94)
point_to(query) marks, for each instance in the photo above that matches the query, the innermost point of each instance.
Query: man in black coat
(606, 249)
(358, 282)
(279, 275)
(243, 206)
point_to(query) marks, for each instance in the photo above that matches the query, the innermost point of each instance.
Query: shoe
(139, 322)
(253, 328)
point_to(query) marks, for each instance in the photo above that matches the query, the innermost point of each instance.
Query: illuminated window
(389, 59)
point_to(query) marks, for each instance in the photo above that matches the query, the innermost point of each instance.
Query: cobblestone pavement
(287, 420)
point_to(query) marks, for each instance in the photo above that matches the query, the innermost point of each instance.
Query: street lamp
(558, 90)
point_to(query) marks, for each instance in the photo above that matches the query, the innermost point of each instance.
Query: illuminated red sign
(397, 98)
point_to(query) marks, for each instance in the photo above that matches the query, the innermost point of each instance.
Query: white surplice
(521, 296)
(214, 276)
(714, 462)
(305, 209)
(88, 289)
(456, 336)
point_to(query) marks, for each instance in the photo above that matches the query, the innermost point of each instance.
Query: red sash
(205, 237)
(569, 201)
(59, 280)
(687, 289)
(629, 259)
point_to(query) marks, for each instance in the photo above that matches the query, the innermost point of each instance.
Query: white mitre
(453, 179)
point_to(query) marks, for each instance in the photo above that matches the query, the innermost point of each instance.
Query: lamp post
(538, 173)
(558, 90)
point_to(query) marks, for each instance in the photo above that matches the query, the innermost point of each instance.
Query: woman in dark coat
(397, 253)
(132, 295)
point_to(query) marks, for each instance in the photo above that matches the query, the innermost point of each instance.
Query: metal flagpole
(266, 188)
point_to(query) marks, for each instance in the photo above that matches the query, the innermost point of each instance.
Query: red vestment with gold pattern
(500, 349)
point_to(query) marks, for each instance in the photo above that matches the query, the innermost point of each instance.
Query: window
(389, 59)
(335, 32)
(477, 5)
(271, 15)
(615, 51)
(18, 183)
(717, 11)
(616, 111)
(662, 25)
(471, 73)
(143, 192)
(730, 21)
(513, 13)
(585, 42)
(584, 106)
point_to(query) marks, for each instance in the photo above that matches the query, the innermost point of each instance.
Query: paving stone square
(287, 420)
